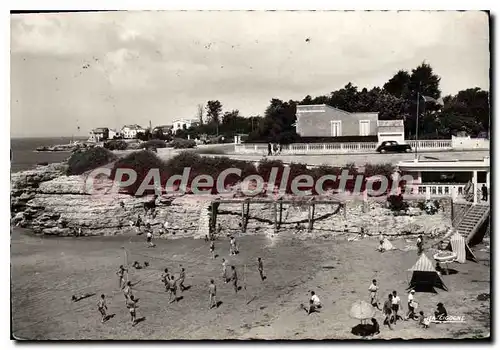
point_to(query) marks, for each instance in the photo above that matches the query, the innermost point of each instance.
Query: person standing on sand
(234, 278)
(180, 281)
(149, 236)
(232, 246)
(212, 249)
(102, 307)
(120, 273)
(212, 295)
(396, 301)
(127, 291)
(224, 270)
(420, 245)
(261, 268)
(388, 311)
(165, 278)
(411, 305)
(373, 289)
(132, 306)
(172, 286)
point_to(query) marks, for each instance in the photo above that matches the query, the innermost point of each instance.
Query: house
(326, 121)
(113, 133)
(130, 131)
(164, 129)
(391, 130)
(99, 134)
(182, 124)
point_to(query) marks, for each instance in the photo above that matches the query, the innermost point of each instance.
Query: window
(336, 126)
(364, 127)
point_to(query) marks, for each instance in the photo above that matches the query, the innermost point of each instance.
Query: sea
(25, 156)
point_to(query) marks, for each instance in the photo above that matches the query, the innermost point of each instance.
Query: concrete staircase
(473, 219)
(203, 223)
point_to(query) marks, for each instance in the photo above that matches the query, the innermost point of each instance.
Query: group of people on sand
(392, 306)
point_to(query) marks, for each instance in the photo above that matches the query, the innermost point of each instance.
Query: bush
(182, 143)
(385, 169)
(430, 207)
(115, 145)
(397, 204)
(141, 162)
(153, 144)
(84, 160)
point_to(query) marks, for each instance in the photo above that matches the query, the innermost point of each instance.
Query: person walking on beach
(180, 281)
(388, 311)
(261, 268)
(121, 273)
(172, 287)
(234, 278)
(127, 291)
(132, 306)
(269, 149)
(102, 307)
(165, 277)
(396, 301)
(224, 270)
(411, 305)
(420, 245)
(212, 249)
(373, 289)
(212, 295)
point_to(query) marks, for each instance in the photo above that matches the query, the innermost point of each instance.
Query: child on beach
(149, 236)
(212, 292)
(83, 296)
(422, 320)
(102, 307)
(388, 311)
(373, 289)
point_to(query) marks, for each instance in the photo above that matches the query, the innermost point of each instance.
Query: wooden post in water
(345, 210)
(247, 213)
(312, 216)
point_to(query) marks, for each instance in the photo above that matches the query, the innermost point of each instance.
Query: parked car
(393, 147)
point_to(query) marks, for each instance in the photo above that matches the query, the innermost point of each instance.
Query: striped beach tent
(424, 275)
(461, 248)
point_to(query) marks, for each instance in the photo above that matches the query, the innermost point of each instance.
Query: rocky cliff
(50, 203)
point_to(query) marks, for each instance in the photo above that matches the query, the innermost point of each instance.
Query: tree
(214, 110)
(199, 113)
(398, 85)
(278, 123)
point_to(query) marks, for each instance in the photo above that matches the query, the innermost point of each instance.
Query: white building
(130, 131)
(98, 134)
(181, 124)
(113, 133)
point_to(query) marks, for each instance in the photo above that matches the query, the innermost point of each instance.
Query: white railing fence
(360, 147)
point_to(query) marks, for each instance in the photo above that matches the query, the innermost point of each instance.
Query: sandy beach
(47, 271)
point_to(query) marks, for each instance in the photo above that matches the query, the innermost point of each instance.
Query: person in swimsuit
(234, 278)
(132, 306)
(224, 270)
(180, 281)
(165, 278)
(261, 268)
(212, 292)
(172, 287)
(127, 291)
(120, 273)
(212, 249)
(102, 307)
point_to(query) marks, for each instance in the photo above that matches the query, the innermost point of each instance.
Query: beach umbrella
(362, 310)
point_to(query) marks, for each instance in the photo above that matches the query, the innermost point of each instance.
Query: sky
(108, 69)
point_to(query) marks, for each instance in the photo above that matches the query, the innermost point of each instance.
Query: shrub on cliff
(88, 159)
(141, 162)
(115, 145)
(183, 143)
(384, 169)
(397, 204)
